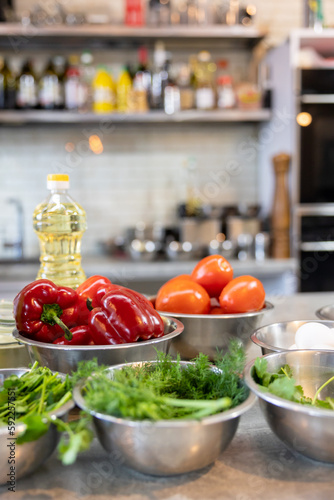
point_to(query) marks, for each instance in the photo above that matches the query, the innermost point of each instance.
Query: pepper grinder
(280, 216)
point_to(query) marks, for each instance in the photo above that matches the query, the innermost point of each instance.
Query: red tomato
(242, 294)
(183, 296)
(180, 277)
(213, 273)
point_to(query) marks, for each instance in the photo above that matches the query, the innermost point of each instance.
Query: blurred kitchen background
(210, 163)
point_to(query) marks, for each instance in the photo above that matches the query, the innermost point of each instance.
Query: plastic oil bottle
(124, 85)
(59, 223)
(104, 99)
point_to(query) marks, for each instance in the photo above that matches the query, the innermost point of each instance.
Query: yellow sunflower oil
(60, 223)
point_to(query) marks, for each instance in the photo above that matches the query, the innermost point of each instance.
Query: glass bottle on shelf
(159, 12)
(72, 85)
(172, 100)
(192, 12)
(87, 71)
(159, 76)
(140, 94)
(26, 96)
(50, 91)
(7, 86)
(204, 81)
(187, 92)
(142, 76)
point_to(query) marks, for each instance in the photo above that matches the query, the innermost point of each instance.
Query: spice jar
(226, 97)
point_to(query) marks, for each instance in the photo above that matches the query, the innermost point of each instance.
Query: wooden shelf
(17, 117)
(18, 37)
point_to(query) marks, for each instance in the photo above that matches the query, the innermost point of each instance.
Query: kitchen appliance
(314, 245)
(314, 213)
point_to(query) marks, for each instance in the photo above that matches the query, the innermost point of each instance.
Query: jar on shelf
(204, 75)
(249, 96)
(226, 98)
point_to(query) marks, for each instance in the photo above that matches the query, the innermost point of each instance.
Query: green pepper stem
(51, 315)
(67, 332)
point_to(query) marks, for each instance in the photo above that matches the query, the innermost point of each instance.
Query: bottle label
(27, 95)
(50, 92)
(205, 98)
(72, 94)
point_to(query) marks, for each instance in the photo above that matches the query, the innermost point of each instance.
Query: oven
(316, 172)
(314, 244)
(313, 234)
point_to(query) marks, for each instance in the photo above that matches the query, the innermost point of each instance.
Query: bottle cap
(58, 181)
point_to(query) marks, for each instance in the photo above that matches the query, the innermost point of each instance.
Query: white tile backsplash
(139, 176)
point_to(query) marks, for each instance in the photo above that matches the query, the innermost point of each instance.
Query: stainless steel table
(255, 466)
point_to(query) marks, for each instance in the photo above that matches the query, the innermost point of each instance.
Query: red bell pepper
(44, 311)
(124, 316)
(90, 293)
(81, 335)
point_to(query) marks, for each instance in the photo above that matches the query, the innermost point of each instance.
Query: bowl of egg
(293, 335)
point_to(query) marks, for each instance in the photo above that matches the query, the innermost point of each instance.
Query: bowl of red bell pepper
(61, 326)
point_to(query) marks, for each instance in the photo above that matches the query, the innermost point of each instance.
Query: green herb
(167, 389)
(31, 399)
(283, 385)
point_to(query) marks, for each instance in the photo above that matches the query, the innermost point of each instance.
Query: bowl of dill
(167, 416)
(33, 403)
(296, 395)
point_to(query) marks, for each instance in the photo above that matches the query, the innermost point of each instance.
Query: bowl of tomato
(213, 306)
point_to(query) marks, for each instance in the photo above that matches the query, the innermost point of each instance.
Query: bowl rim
(281, 402)
(268, 306)
(320, 315)
(223, 416)
(254, 338)
(157, 340)
(59, 412)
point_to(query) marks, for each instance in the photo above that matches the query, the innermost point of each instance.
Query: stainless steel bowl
(326, 312)
(166, 447)
(208, 332)
(304, 429)
(65, 359)
(278, 337)
(28, 456)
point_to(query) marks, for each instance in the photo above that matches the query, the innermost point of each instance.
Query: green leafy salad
(31, 399)
(164, 389)
(283, 385)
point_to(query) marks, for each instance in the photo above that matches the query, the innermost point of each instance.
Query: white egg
(323, 346)
(313, 333)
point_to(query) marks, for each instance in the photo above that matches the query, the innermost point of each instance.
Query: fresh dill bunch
(168, 388)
